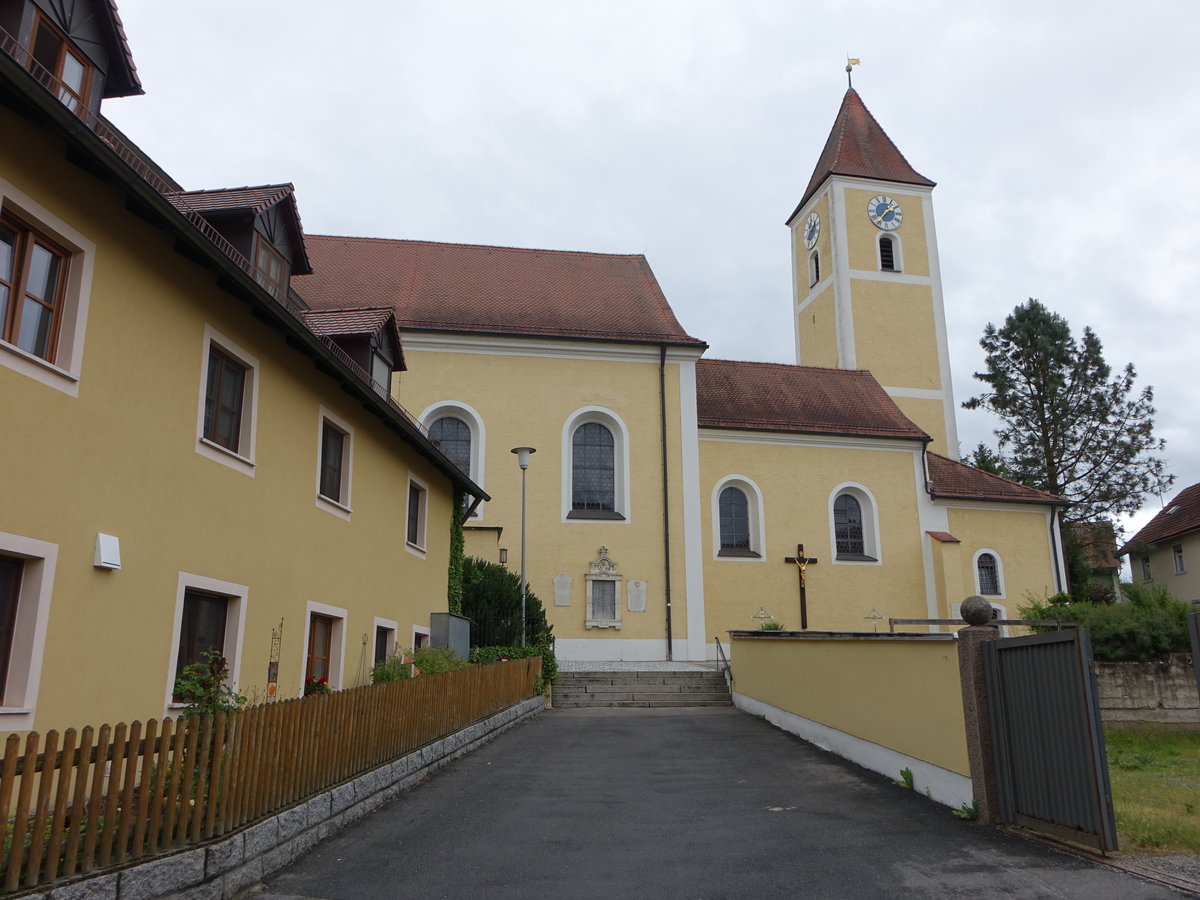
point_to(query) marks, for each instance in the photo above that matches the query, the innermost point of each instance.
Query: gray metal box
(449, 630)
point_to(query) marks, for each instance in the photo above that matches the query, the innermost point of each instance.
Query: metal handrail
(726, 669)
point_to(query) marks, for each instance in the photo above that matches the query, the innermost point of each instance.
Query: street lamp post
(523, 454)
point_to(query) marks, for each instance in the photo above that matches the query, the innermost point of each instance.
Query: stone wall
(1161, 692)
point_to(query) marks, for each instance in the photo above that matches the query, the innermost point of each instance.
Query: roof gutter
(88, 151)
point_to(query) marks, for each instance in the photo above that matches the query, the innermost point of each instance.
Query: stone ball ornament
(976, 611)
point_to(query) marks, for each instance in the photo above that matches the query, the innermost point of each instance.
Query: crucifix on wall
(802, 562)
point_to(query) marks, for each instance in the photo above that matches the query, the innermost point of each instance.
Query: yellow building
(191, 459)
(673, 497)
(1166, 550)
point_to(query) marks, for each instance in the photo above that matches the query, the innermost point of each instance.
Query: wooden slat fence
(85, 800)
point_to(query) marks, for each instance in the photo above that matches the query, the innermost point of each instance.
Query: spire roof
(857, 145)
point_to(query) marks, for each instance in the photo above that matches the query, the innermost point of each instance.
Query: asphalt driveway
(687, 803)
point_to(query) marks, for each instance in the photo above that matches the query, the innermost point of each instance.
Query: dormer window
(61, 59)
(270, 270)
(381, 370)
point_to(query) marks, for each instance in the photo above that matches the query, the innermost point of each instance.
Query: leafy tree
(1067, 428)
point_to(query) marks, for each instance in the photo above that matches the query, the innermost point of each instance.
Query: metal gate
(1051, 766)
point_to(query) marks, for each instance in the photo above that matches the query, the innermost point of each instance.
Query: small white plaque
(562, 589)
(637, 596)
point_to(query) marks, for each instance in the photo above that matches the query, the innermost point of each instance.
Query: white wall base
(939, 784)
(608, 650)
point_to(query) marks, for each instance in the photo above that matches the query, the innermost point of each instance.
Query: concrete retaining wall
(1159, 692)
(218, 870)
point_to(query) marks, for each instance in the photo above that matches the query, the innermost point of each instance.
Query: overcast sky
(1064, 137)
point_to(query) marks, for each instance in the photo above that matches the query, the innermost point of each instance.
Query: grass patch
(1155, 777)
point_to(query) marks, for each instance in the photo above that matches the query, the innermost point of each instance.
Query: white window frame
(341, 507)
(620, 434)
(393, 627)
(337, 643)
(28, 655)
(897, 251)
(474, 422)
(242, 460)
(1177, 556)
(814, 267)
(1000, 583)
(872, 545)
(419, 631)
(1000, 611)
(420, 548)
(755, 514)
(64, 373)
(1147, 574)
(235, 622)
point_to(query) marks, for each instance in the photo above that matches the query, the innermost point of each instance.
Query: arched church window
(988, 570)
(848, 526)
(735, 521)
(887, 254)
(453, 437)
(593, 469)
(814, 268)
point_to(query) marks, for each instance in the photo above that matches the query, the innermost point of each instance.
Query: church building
(673, 497)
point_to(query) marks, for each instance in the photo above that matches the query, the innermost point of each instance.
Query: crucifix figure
(802, 563)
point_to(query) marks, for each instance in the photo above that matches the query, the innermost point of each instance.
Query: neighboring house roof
(953, 480)
(857, 145)
(801, 399)
(1180, 516)
(365, 321)
(494, 290)
(252, 200)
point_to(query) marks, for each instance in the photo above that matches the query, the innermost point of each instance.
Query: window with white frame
(854, 525)
(45, 280)
(814, 268)
(988, 574)
(1146, 575)
(324, 647)
(385, 640)
(596, 474)
(335, 458)
(889, 253)
(227, 421)
(27, 569)
(415, 525)
(1177, 555)
(457, 429)
(737, 518)
(209, 616)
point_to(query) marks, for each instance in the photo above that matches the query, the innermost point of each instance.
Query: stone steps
(640, 689)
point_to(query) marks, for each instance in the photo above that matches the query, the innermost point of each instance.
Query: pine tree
(1067, 428)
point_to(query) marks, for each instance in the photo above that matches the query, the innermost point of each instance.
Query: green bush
(202, 686)
(394, 668)
(432, 660)
(1151, 625)
(543, 648)
(491, 599)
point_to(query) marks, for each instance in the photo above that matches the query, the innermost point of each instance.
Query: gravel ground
(1178, 865)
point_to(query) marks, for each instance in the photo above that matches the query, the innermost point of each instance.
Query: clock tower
(867, 288)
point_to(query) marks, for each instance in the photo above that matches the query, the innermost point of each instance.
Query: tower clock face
(812, 230)
(885, 212)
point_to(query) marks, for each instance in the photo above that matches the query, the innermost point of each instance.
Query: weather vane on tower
(851, 62)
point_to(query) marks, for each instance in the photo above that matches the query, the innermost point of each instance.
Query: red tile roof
(494, 290)
(348, 321)
(126, 82)
(1099, 543)
(857, 145)
(800, 399)
(949, 479)
(253, 200)
(943, 537)
(1181, 516)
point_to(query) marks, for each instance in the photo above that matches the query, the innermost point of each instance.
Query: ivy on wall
(454, 577)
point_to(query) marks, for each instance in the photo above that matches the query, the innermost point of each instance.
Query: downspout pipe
(666, 491)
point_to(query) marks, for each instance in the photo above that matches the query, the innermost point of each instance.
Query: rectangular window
(320, 648)
(201, 629)
(10, 592)
(1177, 553)
(33, 278)
(415, 531)
(381, 372)
(62, 62)
(385, 643)
(224, 398)
(333, 442)
(270, 270)
(1146, 569)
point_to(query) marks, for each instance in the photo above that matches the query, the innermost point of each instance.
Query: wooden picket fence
(86, 800)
